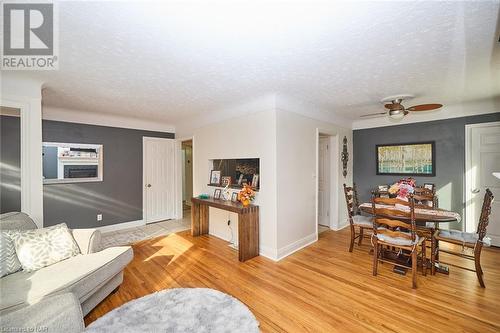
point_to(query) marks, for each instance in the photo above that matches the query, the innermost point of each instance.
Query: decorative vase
(245, 203)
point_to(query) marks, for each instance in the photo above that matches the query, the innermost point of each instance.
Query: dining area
(405, 228)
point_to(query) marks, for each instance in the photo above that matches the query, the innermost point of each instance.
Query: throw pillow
(8, 258)
(43, 247)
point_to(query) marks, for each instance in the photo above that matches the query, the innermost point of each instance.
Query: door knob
(476, 190)
(149, 185)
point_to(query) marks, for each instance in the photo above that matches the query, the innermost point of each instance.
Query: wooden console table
(248, 223)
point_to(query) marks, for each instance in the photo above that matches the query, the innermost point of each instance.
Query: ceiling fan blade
(424, 107)
(373, 114)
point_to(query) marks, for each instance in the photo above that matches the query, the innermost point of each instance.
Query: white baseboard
(268, 252)
(297, 245)
(121, 226)
(340, 227)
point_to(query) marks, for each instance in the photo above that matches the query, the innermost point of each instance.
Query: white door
(159, 179)
(324, 182)
(483, 159)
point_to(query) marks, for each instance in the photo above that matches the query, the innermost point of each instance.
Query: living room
(164, 161)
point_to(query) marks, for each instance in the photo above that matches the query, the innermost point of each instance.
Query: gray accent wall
(449, 136)
(118, 197)
(10, 164)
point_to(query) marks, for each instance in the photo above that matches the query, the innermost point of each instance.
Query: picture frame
(215, 177)
(255, 181)
(226, 180)
(406, 159)
(234, 197)
(383, 188)
(429, 186)
(217, 193)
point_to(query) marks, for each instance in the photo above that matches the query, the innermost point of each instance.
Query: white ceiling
(168, 62)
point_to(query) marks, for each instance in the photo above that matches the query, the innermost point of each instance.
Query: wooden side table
(248, 223)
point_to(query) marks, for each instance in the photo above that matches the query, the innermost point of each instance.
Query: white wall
(296, 178)
(248, 136)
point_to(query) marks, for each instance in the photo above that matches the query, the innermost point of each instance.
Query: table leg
(248, 234)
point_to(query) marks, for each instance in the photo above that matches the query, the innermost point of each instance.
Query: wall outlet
(99, 217)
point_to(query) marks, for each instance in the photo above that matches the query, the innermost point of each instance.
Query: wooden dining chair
(468, 240)
(396, 228)
(356, 220)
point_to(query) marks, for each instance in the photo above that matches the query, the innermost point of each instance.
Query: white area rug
(179, 310)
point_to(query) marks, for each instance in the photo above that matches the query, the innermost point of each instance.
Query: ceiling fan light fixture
(396, 114)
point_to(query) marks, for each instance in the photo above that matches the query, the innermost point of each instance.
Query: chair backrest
(484, 219)
(394, 218)
(425, 197)
(351, 198)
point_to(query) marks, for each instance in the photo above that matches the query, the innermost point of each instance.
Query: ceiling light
(396, 114)
(496, 174)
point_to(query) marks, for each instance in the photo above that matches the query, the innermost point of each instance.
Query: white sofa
(90, 276)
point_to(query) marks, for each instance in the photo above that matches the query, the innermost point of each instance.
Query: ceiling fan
(396, 110)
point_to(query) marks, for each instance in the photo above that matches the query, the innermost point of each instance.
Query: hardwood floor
(322, 288)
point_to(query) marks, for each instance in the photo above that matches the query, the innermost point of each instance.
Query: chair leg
(375, 257)
(433, 256)
(353, 234)
(414, 268)
(477, 262)
(424, 258)
(360, 239)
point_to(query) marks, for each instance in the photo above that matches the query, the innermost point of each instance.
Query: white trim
(469, 215)
(340, 227)
(268, 252)
(103, 119)
(31, 155)
(121, 226)
(287, 250)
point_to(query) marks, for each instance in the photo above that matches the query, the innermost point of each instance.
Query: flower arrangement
(402, 188)
(246, 195)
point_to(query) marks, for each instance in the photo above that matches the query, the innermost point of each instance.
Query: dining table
(423, 216)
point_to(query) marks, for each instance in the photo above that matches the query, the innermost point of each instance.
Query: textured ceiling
(171, 61)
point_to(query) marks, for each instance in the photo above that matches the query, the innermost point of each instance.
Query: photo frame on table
(429, 186)
(255, 181)
(407, 159)
(226, 180)
(217, 193)
(234, 197)
(383, 188)
(215, 177)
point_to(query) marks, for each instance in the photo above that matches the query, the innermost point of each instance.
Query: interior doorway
(327, 179)
(482, 161)
(10, 159)
(158, 179)
(187, 175)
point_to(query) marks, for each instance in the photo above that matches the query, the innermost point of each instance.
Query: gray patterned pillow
(43, 247)
(8, 259)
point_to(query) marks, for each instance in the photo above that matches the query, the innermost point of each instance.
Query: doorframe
(334, 178)
(151, 138)
(469, 214)
(30, 112)
(178, 173)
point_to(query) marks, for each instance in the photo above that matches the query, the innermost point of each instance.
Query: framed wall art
(409, 159)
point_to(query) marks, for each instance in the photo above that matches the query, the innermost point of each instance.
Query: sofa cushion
(8, 259)
(43, 247)
(81, 275)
